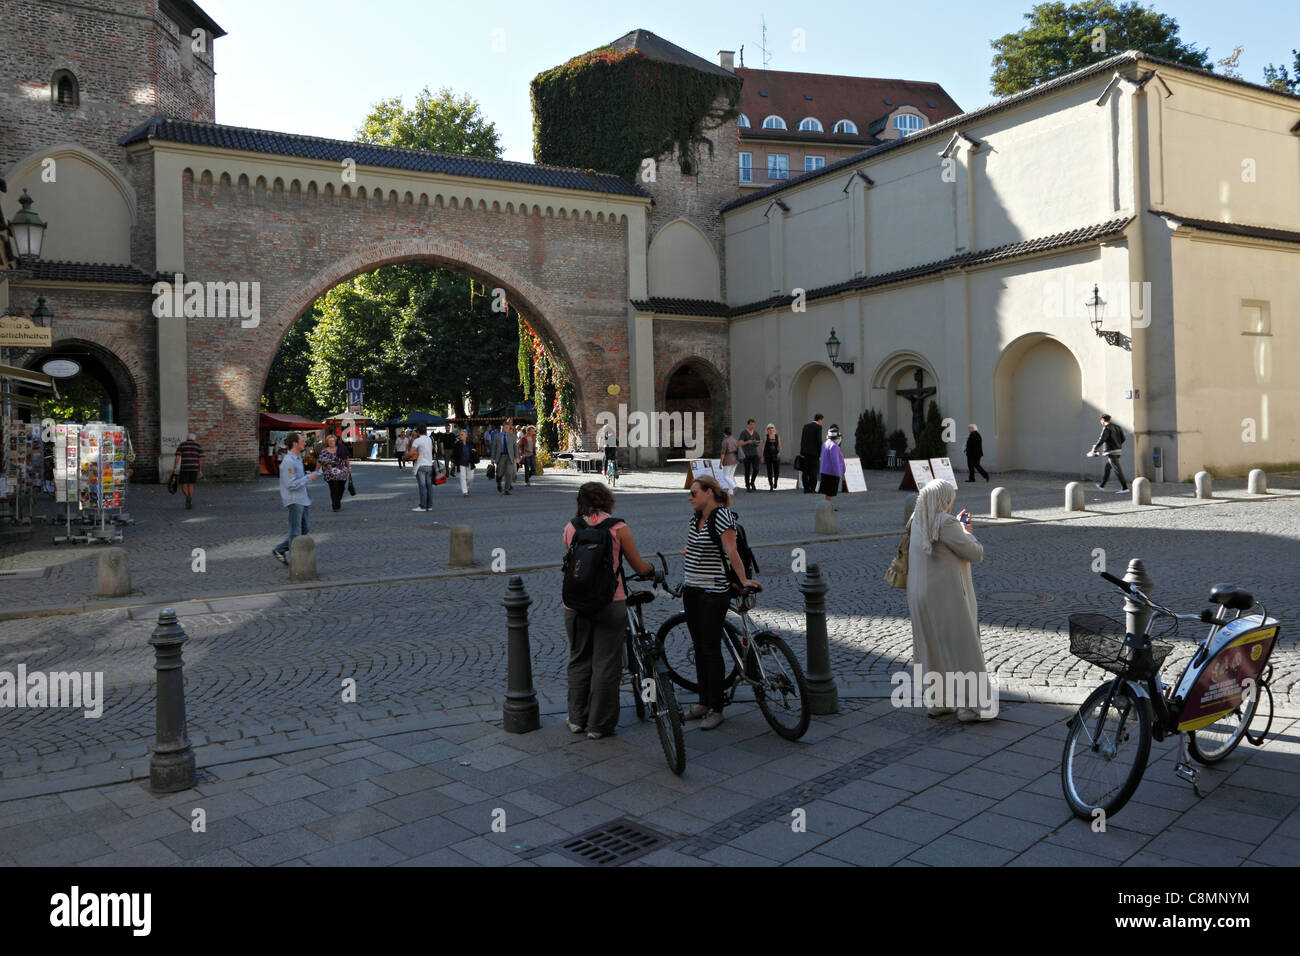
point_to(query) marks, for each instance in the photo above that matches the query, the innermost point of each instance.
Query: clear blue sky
(316, 66)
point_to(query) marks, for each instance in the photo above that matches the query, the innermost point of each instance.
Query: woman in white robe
(941, 602)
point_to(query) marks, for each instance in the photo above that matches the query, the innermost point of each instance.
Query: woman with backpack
(710, 551)
(595, 608)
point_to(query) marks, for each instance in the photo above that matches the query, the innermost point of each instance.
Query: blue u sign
(354, 385)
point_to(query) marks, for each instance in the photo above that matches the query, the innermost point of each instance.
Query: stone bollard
(1000, 503)
(462, 547)
(1257, 483)
(1204, 485)
(114, 573)
(909, 505)
(824, 519)
(1141, 491)
(302, 559)
(1136, 616)
(823, 698)
(520, 712)
(171, 764)
(1074, 497)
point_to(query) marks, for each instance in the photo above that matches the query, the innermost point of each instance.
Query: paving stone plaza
(419, 768)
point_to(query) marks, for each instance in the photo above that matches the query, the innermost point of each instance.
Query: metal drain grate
(611, 844)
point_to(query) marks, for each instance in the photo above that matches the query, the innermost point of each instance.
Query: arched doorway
(1042, 423)
(816, 389)
(102, 391)
(695, 387)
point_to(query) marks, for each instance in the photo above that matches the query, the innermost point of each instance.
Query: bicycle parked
(761, 660)
(652, 686)
(1210, 707)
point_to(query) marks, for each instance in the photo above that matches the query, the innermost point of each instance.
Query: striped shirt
(705, 561)
(190, 453)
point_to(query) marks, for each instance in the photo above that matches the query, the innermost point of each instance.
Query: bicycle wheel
(779, 688)
(677, 651)
(668, 720)
(634, 670)
(1212, 743)
(1106, 751)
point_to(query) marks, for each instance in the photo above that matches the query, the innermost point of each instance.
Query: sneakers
(968, 715)
(279, 556)
(573, 728)
(594, 735)
(941, 711)
(418, 508)
(712, 721)
(1099, 486)
(698, 712)
(1122, 491)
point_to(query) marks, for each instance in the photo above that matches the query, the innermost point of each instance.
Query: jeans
(751, 473)
(424, 481)
(705, 613)
(596, 666)
(1112, 461)
(299, 523)
(530, 466)
(773, 471)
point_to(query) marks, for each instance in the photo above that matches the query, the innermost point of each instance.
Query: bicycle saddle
(1232, 597)
(636, 598)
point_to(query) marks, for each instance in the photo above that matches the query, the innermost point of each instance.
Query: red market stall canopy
(275, 421)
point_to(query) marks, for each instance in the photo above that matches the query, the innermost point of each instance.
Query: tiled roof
(802, 136)
(47, 270)
(1063, 240)
(862, 99)
(948, 125)
(656, 47)
(667, 306)
(365, 154)
(1232, 228)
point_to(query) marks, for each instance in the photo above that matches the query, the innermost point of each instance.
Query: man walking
(189, 461)
(402, 443)
(810, 451)
(749, 442)
(974, 450)
(294, 494)
(1111, 444)
(505, 455)
(423, 447)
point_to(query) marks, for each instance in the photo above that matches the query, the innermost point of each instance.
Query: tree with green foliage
(930, 443)
(1282, 79)
(286, 384)
(442, 122)
(1064, 37)
(898, 442)
(81, 399)
(869, 439)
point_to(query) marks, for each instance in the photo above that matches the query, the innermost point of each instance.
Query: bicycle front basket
(1099, 640)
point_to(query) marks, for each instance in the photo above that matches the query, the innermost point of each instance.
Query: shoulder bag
(896, 576)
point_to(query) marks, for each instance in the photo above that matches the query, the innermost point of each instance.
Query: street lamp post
(1096, 313)
(833, 352)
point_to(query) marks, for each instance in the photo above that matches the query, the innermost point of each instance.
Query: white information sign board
(942, 468)
(922, 474)
(854, 479)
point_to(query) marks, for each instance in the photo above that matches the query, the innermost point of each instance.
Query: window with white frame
(810, 124)
(846, 126)
(813, 162)
(746, 167)
(907, 123)
(778, 166)
(742, 120)
(774, 122)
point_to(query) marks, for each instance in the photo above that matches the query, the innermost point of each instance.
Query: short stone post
(114, 573)
(1141, 491)
(1257, 483)
(824, 519)
(909, 505)
(1000, 503)
(823, 698)
(171, 765)
(462, 547)
(1074, 497)
(1204, 485)
(1137, 615)
(520, 712)
(302, 558)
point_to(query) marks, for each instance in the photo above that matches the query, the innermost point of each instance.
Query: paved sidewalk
(875, 785)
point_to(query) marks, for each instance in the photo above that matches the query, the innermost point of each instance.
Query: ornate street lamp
(27, 230)
(1096, 312)
(42, 313)
(833, 352)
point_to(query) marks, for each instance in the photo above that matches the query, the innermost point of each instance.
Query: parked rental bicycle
(652, 686)
(761, 660)
(1211, 707)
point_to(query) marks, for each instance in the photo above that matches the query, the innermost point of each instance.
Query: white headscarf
(932, 506)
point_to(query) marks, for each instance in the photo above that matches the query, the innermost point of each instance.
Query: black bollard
(520, 712)
(822, 694)
(171, 766)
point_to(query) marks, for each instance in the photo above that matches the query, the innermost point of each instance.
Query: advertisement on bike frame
(1220, 685)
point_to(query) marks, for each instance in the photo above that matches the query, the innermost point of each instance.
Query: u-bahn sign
(17, 331)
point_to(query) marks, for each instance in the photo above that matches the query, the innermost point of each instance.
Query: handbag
(352, 489)
(491, 470)
(896, 575)
(173, 483)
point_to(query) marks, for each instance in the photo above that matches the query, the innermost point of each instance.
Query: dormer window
(846, 126)
(811, 125)
(774, 122)
(907, 123)
(742, 121)
(64, 90)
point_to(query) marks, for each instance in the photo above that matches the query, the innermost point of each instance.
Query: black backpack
(1118, 433)
(590, 578)
(747, 559)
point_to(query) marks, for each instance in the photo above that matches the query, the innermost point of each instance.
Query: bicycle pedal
(1188, 773)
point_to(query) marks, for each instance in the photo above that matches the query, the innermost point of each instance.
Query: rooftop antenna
(762, 46)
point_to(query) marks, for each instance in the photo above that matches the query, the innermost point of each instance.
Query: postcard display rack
(23, 470)
(90, 473)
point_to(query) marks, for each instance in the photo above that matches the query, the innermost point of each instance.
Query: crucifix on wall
(916, 397)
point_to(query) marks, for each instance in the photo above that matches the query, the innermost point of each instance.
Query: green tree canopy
(1282, 79)
(442, 121)
(1063, 37)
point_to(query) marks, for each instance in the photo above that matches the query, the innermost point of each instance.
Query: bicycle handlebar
(1118, 582)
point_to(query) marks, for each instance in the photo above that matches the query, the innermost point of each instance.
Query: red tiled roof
(861, 99)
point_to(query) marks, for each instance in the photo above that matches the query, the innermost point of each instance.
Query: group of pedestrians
(507, 451)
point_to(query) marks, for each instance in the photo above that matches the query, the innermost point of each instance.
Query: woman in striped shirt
(707, 592)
